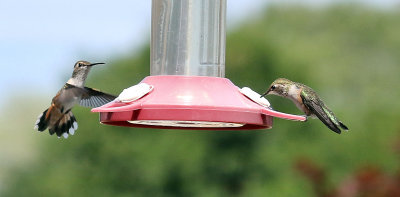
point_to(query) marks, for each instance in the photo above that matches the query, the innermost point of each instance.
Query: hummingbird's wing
(95, 98)
(317, 107)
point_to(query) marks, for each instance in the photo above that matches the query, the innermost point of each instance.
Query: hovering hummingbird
(58, 118)
(307, 100)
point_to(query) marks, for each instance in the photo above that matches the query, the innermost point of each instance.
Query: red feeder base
(191, 102)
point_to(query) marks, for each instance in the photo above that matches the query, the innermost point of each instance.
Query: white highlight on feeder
(186, 123)
(134, 93)
(254, 96)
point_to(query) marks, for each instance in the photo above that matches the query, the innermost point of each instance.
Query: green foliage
(349, 55)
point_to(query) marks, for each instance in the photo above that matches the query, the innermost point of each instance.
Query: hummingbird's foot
(306, 117)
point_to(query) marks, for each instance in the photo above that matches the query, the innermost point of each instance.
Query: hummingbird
(307, 100)
(58, 118)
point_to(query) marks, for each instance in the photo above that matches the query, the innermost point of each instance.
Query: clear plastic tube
(188, 37)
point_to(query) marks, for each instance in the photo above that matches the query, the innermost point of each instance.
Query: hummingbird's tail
(335, 125)
(59, 123)
(343, 126)
(42, 122)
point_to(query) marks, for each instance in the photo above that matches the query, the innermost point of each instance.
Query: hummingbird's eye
(273, 87)
(80, 65)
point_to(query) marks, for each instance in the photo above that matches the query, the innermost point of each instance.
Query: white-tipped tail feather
(58, 123)
(71, 131)
(65, 135)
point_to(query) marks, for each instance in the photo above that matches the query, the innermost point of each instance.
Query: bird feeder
(187, 88)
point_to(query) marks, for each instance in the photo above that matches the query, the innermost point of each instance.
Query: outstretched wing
(95, 98)
(318, 108)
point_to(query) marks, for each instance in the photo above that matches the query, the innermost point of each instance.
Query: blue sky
(41, 40)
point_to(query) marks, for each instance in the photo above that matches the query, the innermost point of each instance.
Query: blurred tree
(347, 54)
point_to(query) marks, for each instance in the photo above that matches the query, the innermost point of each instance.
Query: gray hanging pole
(188, 37)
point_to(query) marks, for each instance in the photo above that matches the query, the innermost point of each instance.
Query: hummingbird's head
(279, 87)
(80, 65)
(82, 68)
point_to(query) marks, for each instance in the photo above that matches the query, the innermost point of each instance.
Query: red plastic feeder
(191, 102)
(187, 68)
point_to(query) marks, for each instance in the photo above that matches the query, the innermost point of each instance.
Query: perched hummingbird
(58, 118)
(307, 100)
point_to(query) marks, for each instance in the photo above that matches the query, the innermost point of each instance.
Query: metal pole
(188, 37)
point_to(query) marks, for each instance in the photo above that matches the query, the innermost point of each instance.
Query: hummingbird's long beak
(95, 64)
(264, 94)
